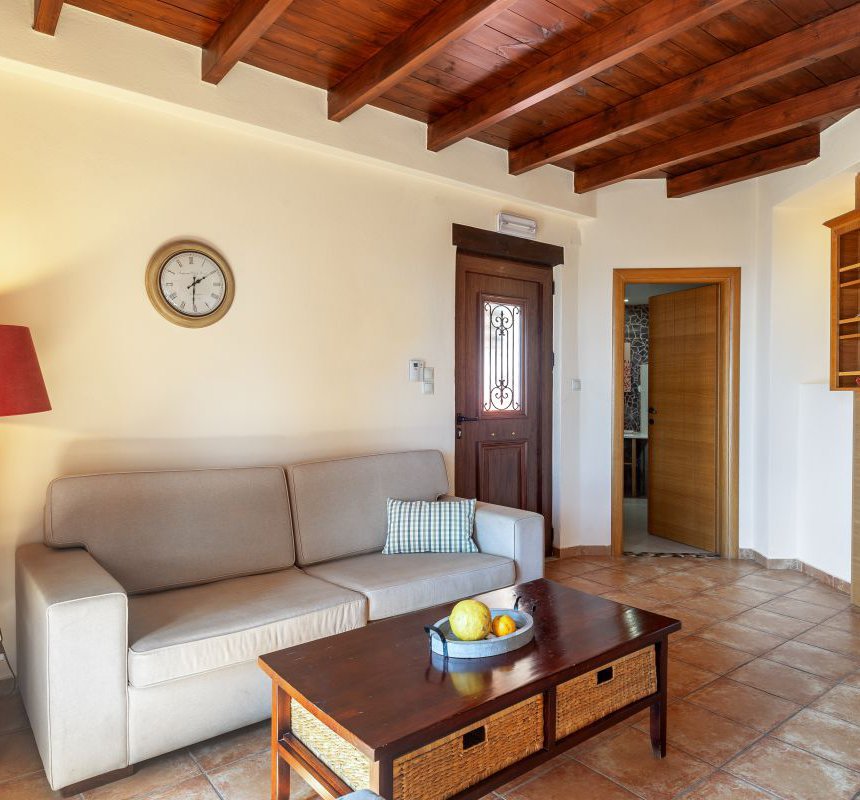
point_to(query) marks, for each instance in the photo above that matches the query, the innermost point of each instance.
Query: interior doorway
(676, 344)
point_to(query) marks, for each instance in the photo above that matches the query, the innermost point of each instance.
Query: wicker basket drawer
(441, 768)
(462, 759)
(596, 694)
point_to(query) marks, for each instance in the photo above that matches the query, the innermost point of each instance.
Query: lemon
(503, 625)
(470, 620)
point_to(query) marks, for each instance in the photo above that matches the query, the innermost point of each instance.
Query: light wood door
(503, 351)
(683, 414)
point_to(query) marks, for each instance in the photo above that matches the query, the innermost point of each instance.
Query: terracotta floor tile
(603, 736)
(584, 585)
(826, 736)
(722, 786)
(798, 609)
(685, 678)
(230, 747)
(31, 787)
(150, 776)
(769, 622)
(703, 734)
(572, 568)
(250, 779)
(690, 581)
(853, 681)
(812, 659)
(648, 570)
(662, 592)
(627, 760)
(744, 704)
(197, 788)
(848, 620)
(556, 784)
(708, 655)
(714, 606)
(12, 714)
(841, 701)
(506, 789)
(740, 594)
(821, 596)
(742, 638)
(632, 598)
(781, 680)
(786, 576)
(18, 755)
(768, 585)
(832, 639)
(691, 620)
(794, 774)
(614, 578)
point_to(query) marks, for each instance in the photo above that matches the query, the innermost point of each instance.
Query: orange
(503, 625)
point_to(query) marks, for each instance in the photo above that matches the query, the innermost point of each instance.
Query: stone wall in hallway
(636, 333)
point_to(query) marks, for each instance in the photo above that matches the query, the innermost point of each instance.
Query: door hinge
(553, 287)
(553, 360)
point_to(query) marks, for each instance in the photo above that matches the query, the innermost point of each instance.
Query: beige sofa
(141, 616)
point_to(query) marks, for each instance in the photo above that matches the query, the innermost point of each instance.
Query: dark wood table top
(382, 689)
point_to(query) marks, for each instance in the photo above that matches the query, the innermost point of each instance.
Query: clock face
(192, 283)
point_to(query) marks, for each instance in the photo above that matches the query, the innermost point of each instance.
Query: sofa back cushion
(162, 530)
(339, 506)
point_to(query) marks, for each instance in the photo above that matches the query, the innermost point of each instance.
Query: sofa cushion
(339, 505)
(201, 628)
(159, 530)
(402, 583)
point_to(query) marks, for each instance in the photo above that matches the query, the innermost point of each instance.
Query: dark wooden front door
(504, 383)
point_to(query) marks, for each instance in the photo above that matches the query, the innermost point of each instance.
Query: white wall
(804, 475)
(637, 226)
(344, 271)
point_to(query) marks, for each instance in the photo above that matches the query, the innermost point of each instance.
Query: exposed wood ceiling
(701, 92)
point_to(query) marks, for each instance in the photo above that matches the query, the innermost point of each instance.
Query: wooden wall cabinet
(845, 301)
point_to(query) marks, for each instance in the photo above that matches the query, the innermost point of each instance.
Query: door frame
(728, 386)
(526, 260)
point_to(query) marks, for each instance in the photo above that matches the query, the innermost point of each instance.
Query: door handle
(652, 410)
(461, 418)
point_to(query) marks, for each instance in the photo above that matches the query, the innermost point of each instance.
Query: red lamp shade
(22, 389)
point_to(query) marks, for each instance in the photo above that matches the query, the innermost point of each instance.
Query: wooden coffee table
(372, 708)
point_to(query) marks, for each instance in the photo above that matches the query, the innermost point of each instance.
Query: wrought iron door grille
(502, 356)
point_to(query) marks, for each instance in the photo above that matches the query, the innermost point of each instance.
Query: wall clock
(190, 283)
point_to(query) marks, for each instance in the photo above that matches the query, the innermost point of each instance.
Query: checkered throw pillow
(419, 526)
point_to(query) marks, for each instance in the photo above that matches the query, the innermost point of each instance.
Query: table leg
(280, 726)
(660, 705)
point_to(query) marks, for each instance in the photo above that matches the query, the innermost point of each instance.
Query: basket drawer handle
(474, 737)
(604, 675)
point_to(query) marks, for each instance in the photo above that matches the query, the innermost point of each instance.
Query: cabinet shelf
(845, 300)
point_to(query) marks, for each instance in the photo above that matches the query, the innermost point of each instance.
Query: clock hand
(202, 278)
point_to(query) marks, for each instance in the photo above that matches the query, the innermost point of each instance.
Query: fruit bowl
(444, 643)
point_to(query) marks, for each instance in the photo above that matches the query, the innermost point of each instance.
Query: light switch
(576, 385)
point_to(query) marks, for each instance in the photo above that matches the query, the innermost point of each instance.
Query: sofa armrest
(510, 532)
(72, 661)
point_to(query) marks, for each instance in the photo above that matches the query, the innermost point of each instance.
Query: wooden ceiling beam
(753, 165)
(429, 36)
(813, 106)
(828, 36)
(46, 15)
(237, 34)
(645, 27)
